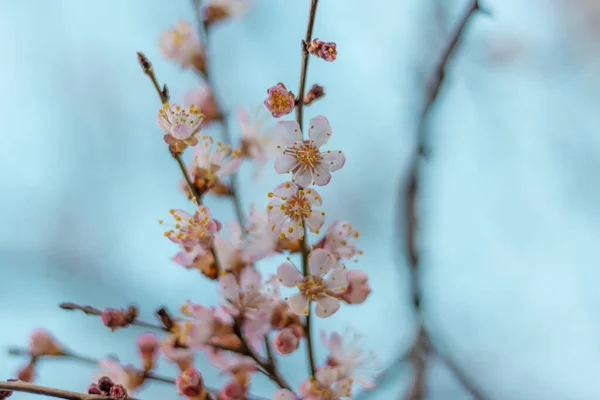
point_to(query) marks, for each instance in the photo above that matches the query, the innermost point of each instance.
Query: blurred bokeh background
(510, 209)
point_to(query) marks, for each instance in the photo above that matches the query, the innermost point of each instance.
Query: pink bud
(232, 390)
(27, 373)
(325, 50)
(148, 345)
(95, 389)
(279, 101)
(42, 343)
(105, 383)
(113, 318)
(315, 93)
(358, 288)
(286, 341)
(189, 383)
(118, 392)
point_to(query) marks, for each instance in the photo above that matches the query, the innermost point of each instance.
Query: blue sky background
(510, 205)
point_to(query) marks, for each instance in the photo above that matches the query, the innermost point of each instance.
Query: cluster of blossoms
(253, 316)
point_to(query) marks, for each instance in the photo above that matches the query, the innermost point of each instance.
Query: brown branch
(89, 310)
(422, 347)
(48, 391)
(304, 246)
(305, 57)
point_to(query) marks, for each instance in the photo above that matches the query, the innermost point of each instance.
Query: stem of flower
(305, 57)
(422, 347)
(89, 310)
(48, 391)
(299, 108)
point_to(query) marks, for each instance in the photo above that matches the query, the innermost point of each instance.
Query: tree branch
(89, 310)
(422, 347)
(19, 386)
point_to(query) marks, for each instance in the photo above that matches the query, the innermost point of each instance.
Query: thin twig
(305, 57)
(304, 245)
(89, 310)
(422, 347)
(48, 391)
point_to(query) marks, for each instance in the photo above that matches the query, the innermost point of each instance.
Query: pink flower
(325, 50)
(284, 394)
(326, 385)
(189, 383)
(358, 287)
(280, 101)
(205, 326)
(232, 390)
(182, 46)
(178, 353)
(256, 141)
(230, 253)
(303, 158)
(42, 343)
(286, 341)
(349, 358)
(148, 346)
(180, 125)
(290, 207)
(193, 230)
(261, 241)
(218, 163)
(326, 280)
(205, 99)
(244, 298)
(339, 240)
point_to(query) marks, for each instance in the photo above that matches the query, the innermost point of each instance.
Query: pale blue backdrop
(510, 209)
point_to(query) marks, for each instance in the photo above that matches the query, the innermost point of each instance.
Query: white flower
(326, 385)
(218, 163)
(349, 357)
(181, 45)
(180, 123)
(261, 241)
(290, 207)
(303, 157)
(325, 281)
(339, 240)
(244, 298)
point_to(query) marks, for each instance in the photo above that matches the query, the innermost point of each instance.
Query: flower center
(280, 101)
(297, 207)
(306, 153)
(312, 287)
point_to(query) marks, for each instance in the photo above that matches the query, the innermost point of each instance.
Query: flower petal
(326, 376)
(303, 177)
(326, 306)
(343, 388)
(288, 132)
(313, 196)
(334, 159)
(288, 275)
(315, 221)
(285, 163)
(320, 130)
(299, 304)
(285, 190)
(322, 175)
(336, 281)
(250, 280)
(228, 287)
(182, 131)
(320, 262)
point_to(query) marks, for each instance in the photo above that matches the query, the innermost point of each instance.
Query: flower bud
(315, 93)
(95, 389)
(115, 319)
(324, 50)
(42, 343)
(358, 288)
(189, 383)
(286, 341)
(232, 390)
(105, 384)
(118, 392)
(27, 373)
(148, 345)
(280, 101)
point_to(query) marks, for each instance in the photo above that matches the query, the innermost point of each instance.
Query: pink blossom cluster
(254, 321)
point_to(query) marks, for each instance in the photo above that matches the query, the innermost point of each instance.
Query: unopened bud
(144, 63)
(148, 345)
(95, 389)
(118, 392)
(358, 288)
(324, 50)
(105, 383)
(233, 390)
(285, 342)
(189, 383)
(42, 343)
(315, 93)
(27, 373)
